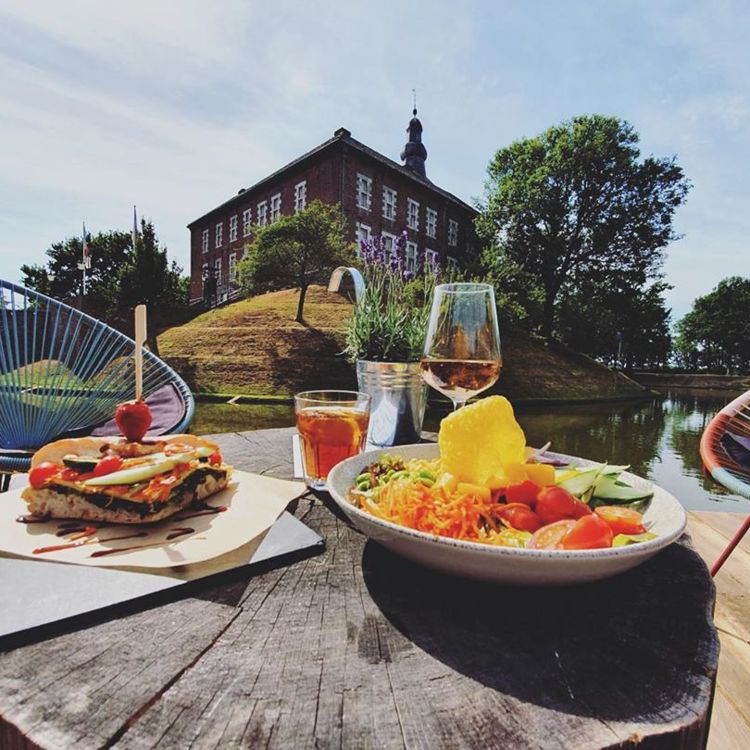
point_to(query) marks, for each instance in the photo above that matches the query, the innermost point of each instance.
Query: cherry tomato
(41, 473)
(133, 418)
(589, 532)
(520, 517)
(556, 503)
(107, 465)
(551, 535)
(215, 458)
(523, 492)
(621, 520)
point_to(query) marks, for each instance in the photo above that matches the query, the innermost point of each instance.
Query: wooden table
(357, 648)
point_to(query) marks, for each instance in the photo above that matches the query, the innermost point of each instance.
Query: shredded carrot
(435, 510)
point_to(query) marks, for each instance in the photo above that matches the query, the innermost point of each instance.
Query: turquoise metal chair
(62, 373)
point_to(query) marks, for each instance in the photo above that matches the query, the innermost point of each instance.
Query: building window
(362, 233)
(388, 243)
(233, 228)
(217, 266)
(204, 242)
(411, 256)
(300, 196)
(431, 227)
(389, 203)
(412, 214)
(364, 192)
(452, 233)
(247, 222)
(219, 234)
(452, 263)
(275, 207)
(432, 257)
(262, 214)
(233, 267)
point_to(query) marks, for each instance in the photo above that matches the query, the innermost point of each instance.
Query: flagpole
(83, 264)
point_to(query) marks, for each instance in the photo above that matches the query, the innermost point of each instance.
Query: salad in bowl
(480, 503)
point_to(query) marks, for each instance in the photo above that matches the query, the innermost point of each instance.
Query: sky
(175, 105)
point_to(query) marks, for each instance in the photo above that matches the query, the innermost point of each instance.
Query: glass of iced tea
(332, 426)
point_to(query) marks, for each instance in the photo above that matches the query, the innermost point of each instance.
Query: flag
(86, 258)
(134, 233)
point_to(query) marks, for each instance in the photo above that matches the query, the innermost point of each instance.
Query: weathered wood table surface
(357, 648)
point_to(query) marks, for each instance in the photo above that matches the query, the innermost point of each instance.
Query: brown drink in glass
(332, 426)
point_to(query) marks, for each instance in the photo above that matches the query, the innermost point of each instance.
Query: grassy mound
(255, 347)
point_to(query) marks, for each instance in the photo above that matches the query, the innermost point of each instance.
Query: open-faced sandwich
(123, 480)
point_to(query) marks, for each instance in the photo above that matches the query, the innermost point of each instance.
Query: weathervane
(414, 97)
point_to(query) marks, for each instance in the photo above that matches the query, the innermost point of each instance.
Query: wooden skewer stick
(140, 340)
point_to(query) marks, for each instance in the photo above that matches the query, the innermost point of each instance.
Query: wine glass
(462, 349)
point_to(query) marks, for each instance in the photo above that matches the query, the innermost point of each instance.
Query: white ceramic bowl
(665, 517)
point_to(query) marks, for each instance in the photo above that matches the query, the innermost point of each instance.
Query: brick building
(377, 196)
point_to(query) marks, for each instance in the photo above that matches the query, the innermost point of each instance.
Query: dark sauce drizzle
(83, 534)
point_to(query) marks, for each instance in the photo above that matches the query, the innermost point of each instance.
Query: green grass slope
(255, 347)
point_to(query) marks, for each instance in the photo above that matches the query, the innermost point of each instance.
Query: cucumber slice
(607, 488)
(140, 473)
(581, 482)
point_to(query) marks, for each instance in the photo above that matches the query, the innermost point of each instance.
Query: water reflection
(658, 437)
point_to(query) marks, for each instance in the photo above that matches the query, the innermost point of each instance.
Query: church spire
(414, 153)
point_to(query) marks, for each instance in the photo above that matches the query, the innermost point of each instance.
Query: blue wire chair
(62, 373)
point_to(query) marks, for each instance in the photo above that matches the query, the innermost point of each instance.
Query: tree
(618, 324)
(148, 278)
(120, 278)
(296, 251)
(715, 334)
(62, 279)
(576, 205)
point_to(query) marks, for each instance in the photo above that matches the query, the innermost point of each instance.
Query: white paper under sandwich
(252, 503)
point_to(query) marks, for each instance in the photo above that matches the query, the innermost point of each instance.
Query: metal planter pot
(399, 397)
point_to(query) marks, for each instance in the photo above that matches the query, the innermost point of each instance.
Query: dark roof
(342, 135)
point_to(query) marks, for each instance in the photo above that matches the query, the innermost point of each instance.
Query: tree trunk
(152, 345)
(548, 314)
(301, 303)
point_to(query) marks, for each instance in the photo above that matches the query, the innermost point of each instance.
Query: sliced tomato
(107, 465)
(41, 473)
(621, 520)
(520, 517)
(588, 532)
(551, 535)
(523, 492)
(215, 459)
(556, 503)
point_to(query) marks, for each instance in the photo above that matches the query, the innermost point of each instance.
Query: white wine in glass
(462, 349)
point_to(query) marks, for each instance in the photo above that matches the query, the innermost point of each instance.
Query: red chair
(725, 451)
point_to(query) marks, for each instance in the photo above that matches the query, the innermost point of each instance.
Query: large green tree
(296, 251)
(617, 324)
(577, 205)
(715, 334)
(120, 277)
